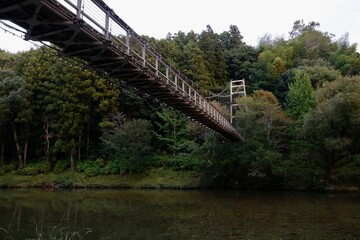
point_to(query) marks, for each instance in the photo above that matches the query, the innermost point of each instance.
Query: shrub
(61, 166)
(63, 181)
(91, 168)
(183, 161)
(160, 160)
(115, 167)
(35, 168)
(129, 145)
(7, 168)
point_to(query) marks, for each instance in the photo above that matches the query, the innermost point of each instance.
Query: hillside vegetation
(301, 118)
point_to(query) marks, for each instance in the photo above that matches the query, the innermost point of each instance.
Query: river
(166, 214)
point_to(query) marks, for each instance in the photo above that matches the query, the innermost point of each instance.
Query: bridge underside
(47, 20)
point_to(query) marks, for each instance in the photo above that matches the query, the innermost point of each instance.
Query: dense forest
(300, 119)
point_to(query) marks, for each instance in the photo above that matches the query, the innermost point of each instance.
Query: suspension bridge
(91, 31)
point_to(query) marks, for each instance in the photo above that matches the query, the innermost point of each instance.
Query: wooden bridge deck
(117, 52)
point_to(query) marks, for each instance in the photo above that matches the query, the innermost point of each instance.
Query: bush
(63, 181)
(35, 168)
(159, 160)
(298, 174)
(115, 167)
(348, 175)
(91, 168)
(129, 145)
(61, 166)
(7, 168)
(183, 161)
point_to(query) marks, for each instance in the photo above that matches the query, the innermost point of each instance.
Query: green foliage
(194, 66)
(301, 96)
(275, 60)
(7, 168)
(346, 58)
(14, 100)
(91, 168)
(61, 166)
(214, 56)
(319, 71)
(64, 181)
(239, 61)
(261, 118)
(35, 168)
(333, 126)
(298, 174)
(118, 166)
(172, 131)
(311, 44)
(129, 144)
(299, 28)
(183, 161)
(62, 110)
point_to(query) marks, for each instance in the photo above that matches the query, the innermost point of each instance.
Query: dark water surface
(164, 214)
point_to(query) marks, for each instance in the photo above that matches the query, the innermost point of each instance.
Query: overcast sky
(254, 18)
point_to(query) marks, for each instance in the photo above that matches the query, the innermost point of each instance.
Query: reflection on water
(163, 214)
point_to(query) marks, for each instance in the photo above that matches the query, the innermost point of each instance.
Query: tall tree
(300, 28)
(210, 44)
(333, 127)
(301, 96)
(69, 101)
(319, 71)
(345, 58)
(231, 38)
(194, 66)
(15, 109)
(172, 130)
(261, 118)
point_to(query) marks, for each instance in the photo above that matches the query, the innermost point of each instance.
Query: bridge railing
(104, 20)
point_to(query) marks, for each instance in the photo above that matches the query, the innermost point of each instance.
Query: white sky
(254, 18)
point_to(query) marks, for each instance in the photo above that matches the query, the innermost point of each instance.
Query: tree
(210, 44)
(319, 71)
(239, 61)
(333, 127)
(300, 28)
(263, 124)
(194, 66)
(15, 110)
(272, 64)
(261, 118)
(74, 113)
(311, 44)
(172, 130)
(301, 96)
(128, 142)
(70, 103)
(345, 58)
(232, 38)
(7, 62)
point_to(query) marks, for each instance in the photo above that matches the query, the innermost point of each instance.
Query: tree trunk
(25, 152)
(47, 136)
(2, 157)
(21, 164)
(72, 162)
(328, 171)
(79, 148)
(88, 138)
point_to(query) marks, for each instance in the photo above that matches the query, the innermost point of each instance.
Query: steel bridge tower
(237, 88)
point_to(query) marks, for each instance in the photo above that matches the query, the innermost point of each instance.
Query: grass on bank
(152, 178)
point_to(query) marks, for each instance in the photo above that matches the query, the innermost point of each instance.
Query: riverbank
(153, 178)
(157, 178)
